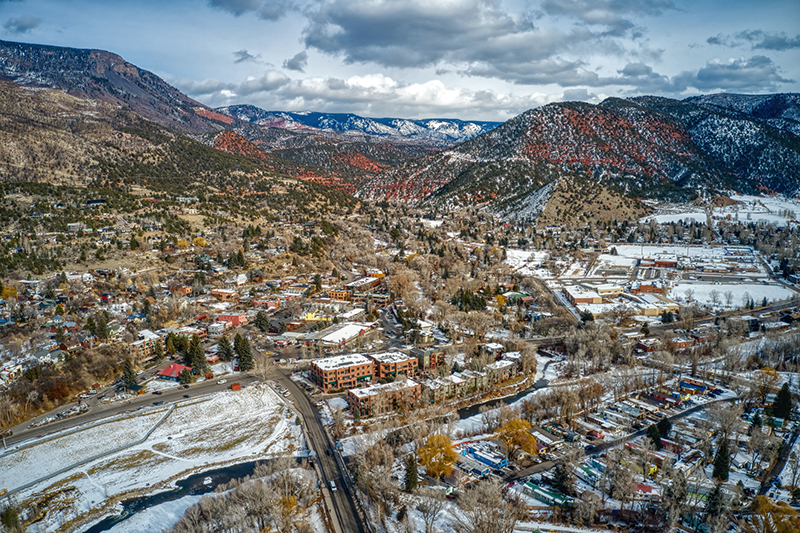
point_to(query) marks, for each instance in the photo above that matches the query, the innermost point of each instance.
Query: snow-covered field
(702, 293)
(776, 210)
(41, 459)
(222, 428)
(638, 251)
(528, 263)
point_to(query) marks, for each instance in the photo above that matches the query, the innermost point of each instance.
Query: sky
(468, 59)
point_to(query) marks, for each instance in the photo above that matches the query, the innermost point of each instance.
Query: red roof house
(172, 371)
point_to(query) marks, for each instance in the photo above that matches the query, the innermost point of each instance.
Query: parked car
(158, 392)
(220, 382)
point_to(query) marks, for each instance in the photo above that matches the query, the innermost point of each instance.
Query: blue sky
(471, 59)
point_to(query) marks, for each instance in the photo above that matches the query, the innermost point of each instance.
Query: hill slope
(648, 146)
(109, 78)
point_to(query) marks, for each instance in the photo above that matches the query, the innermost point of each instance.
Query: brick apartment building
(385, 398)
(390, 364)
(145, 348)
(342, 371)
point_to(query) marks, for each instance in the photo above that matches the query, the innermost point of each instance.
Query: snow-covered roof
(341, 361)
(381, 388)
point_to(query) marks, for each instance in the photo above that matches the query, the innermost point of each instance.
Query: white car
(222, 381)
(333, 486)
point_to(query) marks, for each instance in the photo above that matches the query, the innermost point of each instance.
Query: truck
(236, 386)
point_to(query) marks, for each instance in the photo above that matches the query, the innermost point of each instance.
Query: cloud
(270, 81)
(757, 40)
(514, 46)
(298, 62)
(267, 10)
(578, 95)
(370, 95)
(243, 56)
(609, 13)
(405, 33)
(755, 74)
(22, 24)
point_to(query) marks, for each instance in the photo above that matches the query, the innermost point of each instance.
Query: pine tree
(171, 345)
(195, 357)
(261, 321)
(245, 354)
(101, 327)
(134, 243)
(158, 350)
(655, 435)
(664, 427)
(225, 350)
(782, 407)
(411, 473)
(722, 462)
(128, 375)
(715, 505)
(185, 377)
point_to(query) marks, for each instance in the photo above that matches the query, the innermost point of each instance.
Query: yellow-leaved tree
(437, 456)
(516, 435)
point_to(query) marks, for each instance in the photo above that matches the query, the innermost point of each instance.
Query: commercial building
(342, 371)
(578, 295)
(390, 364)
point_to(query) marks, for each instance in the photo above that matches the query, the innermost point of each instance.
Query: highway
(99, 410)
(344, 507)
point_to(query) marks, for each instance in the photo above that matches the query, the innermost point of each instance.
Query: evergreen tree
(171, 345)
(562, 481)
(722, 462)
(134, 243)
(715, 505)
(225, 350)
(159, 351)
(757, 422)
(782, 407)
(411, 473)
(245, 354)
(128, 375)
(101, 327)
(664, 427)
(90, 326)
(655, 436)
(147, 309)
(185, 377)
(195, 356)
(261, 321)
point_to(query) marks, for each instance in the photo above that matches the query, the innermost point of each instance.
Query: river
(193, 485)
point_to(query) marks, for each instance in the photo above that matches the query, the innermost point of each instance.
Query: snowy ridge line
(30, 442)
(94, 458)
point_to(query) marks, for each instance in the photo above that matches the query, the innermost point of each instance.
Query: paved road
(343, 503)
(777, 468)
(99, 410)
(547, 465)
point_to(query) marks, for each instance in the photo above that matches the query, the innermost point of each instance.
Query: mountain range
(600, 156)
(643, 147)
